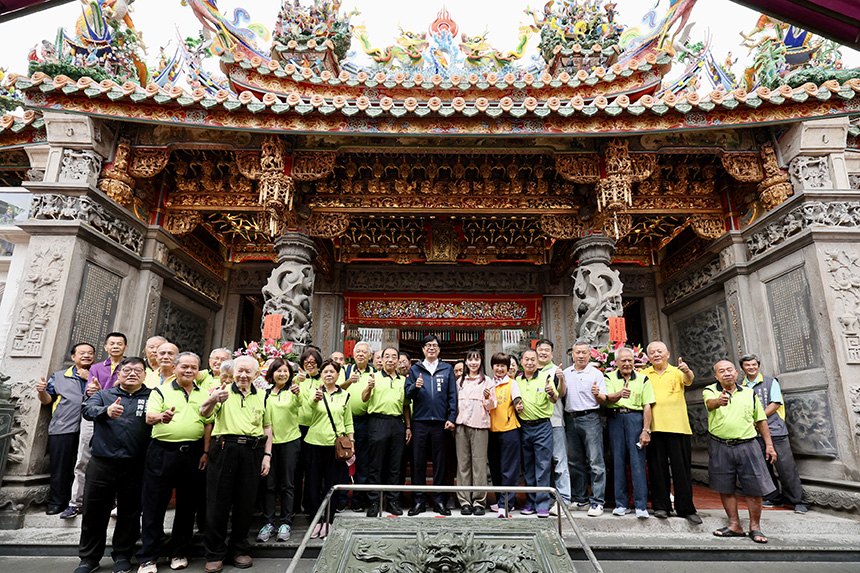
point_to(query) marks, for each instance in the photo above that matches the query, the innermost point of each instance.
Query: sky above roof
(159, 21)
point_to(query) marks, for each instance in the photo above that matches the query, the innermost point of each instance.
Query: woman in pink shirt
(475, 399)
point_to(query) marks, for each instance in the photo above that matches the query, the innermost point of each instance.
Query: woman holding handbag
(329, 440)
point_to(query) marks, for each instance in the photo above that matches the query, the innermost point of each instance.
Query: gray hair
(250, 359)
(581, 343)
(749, 358)
(186, 353)
(625, 349)
(224, 350)
(226, 367)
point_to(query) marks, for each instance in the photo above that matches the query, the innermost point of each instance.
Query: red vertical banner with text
(348, 347)
(617, 329)
(272, 327)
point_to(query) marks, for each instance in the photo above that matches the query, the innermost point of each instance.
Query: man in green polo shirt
(387, 434)
(629, 397)
(175, 458)
(241, 452)
(734, 413)
(539, 393)
(354, 380)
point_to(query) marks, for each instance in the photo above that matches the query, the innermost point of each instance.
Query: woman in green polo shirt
(282, 404)
(307, 378)
(322, 470)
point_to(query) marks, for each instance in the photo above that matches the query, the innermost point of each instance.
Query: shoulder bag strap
(330, 419)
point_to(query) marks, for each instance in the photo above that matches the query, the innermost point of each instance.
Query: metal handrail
(325, 506)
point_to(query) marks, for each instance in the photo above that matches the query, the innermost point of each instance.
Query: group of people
(126, 432)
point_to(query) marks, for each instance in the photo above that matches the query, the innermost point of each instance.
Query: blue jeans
(537, 455)
(584, 450)
(561, 474)
(624, 432)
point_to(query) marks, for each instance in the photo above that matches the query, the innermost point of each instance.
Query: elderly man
(175, 459)
(354, 381)
(240, 452)
(66, 390)
(338, 357)
(629, 397)
(115, 471)
(734, 414)
(586, 392)
(166, 355)
(210, 379)
(670, 436)
(770, 394)
(560, 473)
(104, 373)
(433, 390)
(150, 351)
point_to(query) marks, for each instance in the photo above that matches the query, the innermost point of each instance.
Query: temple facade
(488, 203)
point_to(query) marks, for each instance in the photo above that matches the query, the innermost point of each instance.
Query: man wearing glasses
(432, 388)
(120, 438)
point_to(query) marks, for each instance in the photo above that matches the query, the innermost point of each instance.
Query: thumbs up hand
(682, 366)
(221, 394)
(559, 373)
(625, 392)
(371, 382)
(724, 398)
(93, 386)
(115, 410)
(168, 415)
(319, 394)
(42, 385)
(294, 388)
(420, 382)
(595, 390)
(301, 376)
(549, 388)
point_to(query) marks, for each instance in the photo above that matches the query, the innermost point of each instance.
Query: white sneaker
(596, 510)
(113, 512)
(148, 567)
(579, 506)
(178, 563)
(642, 514)
(621, 511)
(553, 511)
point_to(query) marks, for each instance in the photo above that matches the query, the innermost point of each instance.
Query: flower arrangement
(267, 349)
(604, 357)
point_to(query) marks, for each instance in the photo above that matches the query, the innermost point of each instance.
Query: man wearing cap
(175, 458)
(734, 414)
(239, 454)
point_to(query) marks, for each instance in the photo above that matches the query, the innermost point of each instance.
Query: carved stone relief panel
(810, 424)
(808, 214)
(844, 271)
(181, 326)
(39, 298)
(698, 415)
(80, 166)
(793, 322)
(703, 339)
(810, 173)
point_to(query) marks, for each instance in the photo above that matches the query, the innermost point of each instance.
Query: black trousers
(670, 451)
(322, 473)
(107, 480)
(299, 483)
(231, 484)
(361, 431)
(428, 443)
(168, 467)
(386, 443)
(63, 451)
(279, 482)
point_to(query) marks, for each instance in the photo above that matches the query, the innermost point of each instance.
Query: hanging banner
(398, 310)
(272, 326)
(617, 329)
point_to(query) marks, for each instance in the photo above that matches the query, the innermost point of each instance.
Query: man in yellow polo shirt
(241, 452)
(670, 436)
(354, 380)
(734, 413)
(387, 433)
(166, 355)
(175, 458)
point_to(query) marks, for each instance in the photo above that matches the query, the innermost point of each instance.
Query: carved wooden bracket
(775, 187)
(148, 163)
(561, 226)
(181, 222)
(578, 167)
(248, 163)
(743, 166)
(327, 225)
(115, 180)
(312, 165)
(708, 226)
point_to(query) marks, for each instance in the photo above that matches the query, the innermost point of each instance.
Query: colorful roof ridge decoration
(19, 123)
(315, 28)
(105, 45)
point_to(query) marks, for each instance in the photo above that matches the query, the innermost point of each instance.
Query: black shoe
(393, 508)
(419, 508)
(54, 510)
(441, 509)
(122, 565)
(694, 518)
(341, 507)
(86, 567)
(372, 510)
(478, 510)
(466, 509)
(661, 514)
(358, 508)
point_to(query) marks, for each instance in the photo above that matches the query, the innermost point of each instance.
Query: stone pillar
(596, 289)
(14, 271)
(815, 154)
(290, 287)
(328, 328)
(492, 344)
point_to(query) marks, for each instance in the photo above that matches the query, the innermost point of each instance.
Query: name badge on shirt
(141, 408)
(439, 380)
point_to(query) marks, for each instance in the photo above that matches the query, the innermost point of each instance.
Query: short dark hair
(75, 347)
(274, 367)
(330, 362)
(546, 341)
(500, 358)
(526, 351)
(749, 358)
(311, 353)
(402, 354)
(130, 360)
(118, 335)
(430, 338)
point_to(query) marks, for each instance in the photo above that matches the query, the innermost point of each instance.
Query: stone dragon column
(596, 289)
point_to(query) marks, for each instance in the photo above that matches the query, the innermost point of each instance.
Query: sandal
(726, 532)
(757, 536)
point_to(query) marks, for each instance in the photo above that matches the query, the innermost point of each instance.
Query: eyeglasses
(137, 371)
(310, 363)
(431, 345)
